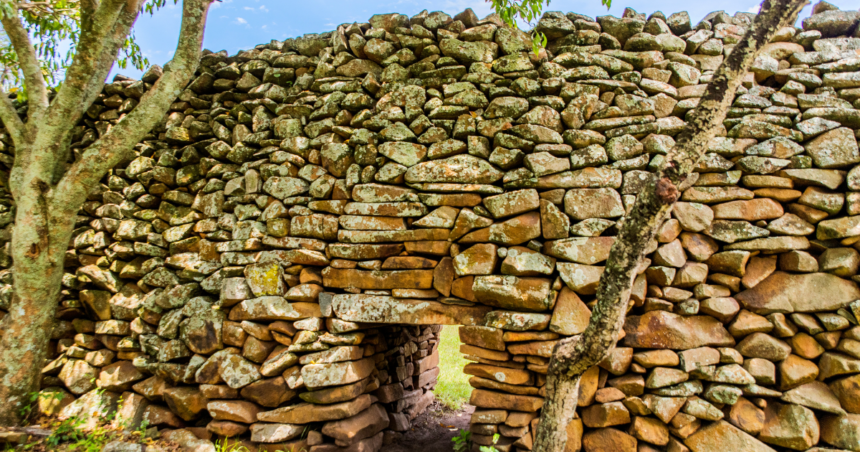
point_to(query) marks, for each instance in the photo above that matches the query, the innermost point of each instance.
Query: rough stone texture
(661, 329)
(783, 292)
(723, 436)
(283, 248)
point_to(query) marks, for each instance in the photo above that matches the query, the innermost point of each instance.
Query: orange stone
(361, 279)
(605, 415)
(608, 440)
(650, 430)
(491, 399)
(746, 416)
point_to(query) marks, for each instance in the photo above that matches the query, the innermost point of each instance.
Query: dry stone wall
(276, 260)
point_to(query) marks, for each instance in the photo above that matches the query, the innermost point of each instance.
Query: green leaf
(53, 28)
(510, 11)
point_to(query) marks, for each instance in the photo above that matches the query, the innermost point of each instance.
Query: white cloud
(264, 9)
(216, 5)
(248, 8)
(754, 9)
(241, 21)
(480, 7)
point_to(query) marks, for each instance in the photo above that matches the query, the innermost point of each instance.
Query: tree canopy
(55, 27)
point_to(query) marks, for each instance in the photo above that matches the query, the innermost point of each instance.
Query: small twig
(43, 8)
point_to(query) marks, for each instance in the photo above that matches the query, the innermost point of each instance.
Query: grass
(453, 388)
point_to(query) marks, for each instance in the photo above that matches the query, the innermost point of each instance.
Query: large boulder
(809, 292)
(662, 329)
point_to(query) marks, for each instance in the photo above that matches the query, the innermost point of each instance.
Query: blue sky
(235, 25)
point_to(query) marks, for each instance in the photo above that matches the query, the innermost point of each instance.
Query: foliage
(452, 389)
(463, 441)
(512, 10)
(491, 448)
(224, 445)
(54, 27)
(51, 27)
(27, 409)
(527, 11)
(67, 430)
(71, 434)
(71, 431)
(141, 430)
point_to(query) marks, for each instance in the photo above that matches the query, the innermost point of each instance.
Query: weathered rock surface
(661, 329)
(284, 246)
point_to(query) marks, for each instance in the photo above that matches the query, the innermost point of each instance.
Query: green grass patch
(453, 388)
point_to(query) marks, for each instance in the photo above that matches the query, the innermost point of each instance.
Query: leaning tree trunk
(573, 356)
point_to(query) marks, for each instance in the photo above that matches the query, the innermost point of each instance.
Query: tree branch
(10, 118)
(120, 32)
(88, 10)
(29, 64)
(97, 50)
(42, 9)
(68, 107)
(116, 145)
(572, 357)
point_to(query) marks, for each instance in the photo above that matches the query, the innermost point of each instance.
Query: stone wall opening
(282, 250)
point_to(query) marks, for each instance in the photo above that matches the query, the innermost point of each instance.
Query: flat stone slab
(808, 292)
(305, 413)
(336, 374)
(499, 400)
(273, 308)
(364, 279)
(385, 309)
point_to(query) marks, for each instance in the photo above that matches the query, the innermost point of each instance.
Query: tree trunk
(25, 341)
(555, 417)
(573, 356)
(48, 195)
(38, 251)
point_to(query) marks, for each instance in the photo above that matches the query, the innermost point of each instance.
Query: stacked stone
(413, 372)
(177, 304)
(278, 255)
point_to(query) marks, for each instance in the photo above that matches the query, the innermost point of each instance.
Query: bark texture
(573, 356)
(49, 189)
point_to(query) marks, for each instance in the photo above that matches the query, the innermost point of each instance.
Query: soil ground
(432, 430)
